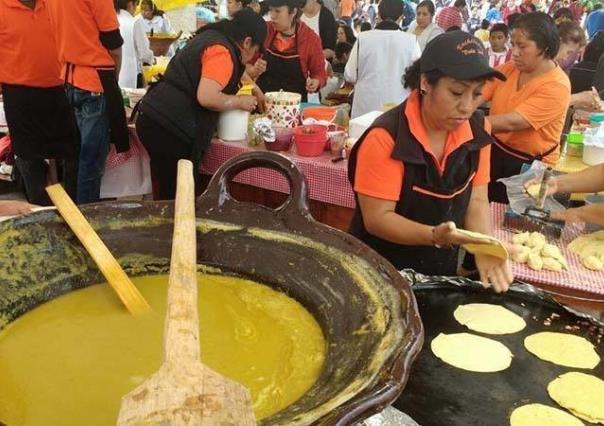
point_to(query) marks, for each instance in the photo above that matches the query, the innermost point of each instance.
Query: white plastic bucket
(232, 125)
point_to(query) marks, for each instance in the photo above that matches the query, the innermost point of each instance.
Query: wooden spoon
(109, 267)
(184, 391)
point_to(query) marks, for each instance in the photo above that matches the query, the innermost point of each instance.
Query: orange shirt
(346, 8)
(542, 102)
(379, 175)
(28, 52)
(78, 24)
(217, 65)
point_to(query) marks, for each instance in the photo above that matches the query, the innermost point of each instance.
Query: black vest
(426, 196)
(172, 102)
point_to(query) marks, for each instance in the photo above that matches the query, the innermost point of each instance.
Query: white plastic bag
(519, 199)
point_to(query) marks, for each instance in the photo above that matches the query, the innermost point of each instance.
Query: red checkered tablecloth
(327, 181)
(577, 277)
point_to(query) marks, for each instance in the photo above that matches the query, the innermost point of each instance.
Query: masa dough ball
(551, 264)
(535, 262)
(521, 253)
(592, 262)
(542, 415)
(536, 239)
(582, 394)
(489, 319)
(562, 349)
(471, 352)
(521, 238)
(550, 250)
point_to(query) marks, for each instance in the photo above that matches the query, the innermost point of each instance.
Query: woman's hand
(13, 208)
(494, 272)
(312, 85)
(551, 189)
(588, 100)
(247, 102)
(446, 235)
(592, 213)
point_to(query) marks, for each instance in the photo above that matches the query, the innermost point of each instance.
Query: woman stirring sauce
(423, 167)
(293, 53)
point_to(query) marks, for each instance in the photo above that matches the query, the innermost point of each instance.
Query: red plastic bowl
(310, 140)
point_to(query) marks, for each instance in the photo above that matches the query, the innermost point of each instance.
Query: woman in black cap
(293, 52)
(178, 115)
(422, 168)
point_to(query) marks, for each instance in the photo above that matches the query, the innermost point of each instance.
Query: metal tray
(439, 394)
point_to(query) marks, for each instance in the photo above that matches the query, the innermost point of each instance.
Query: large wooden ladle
(184, 391)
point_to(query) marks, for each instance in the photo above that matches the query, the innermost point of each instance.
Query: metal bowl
(367, 311)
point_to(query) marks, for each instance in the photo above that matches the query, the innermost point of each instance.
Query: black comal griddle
(439, 394)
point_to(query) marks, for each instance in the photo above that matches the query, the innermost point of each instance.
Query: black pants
(42, 126)
(34, 178)
(164, 150)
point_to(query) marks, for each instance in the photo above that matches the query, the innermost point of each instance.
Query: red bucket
(310, 140)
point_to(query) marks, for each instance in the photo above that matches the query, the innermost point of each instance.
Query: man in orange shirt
(38, 114)
(89, 45)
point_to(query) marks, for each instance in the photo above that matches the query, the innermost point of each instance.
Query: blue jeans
(93, 125)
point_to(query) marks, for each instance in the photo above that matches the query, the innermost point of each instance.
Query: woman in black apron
(528, 109)
(293, 53)
(178, 116)
(421, 169)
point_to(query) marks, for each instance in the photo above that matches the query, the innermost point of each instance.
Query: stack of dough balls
(590, 248)
(533, 249)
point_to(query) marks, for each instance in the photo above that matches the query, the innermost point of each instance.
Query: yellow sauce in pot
(69, 361)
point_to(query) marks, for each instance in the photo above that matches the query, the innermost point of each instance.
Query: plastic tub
(574, 145)
(283, 139)
(320, 113)
(310, 140)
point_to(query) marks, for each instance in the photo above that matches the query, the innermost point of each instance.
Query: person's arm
(588, 100)
(105, 18)
(116, 55)
(510, 122)
(13, 208)
(588, 180)
(592, 213)
(493, 271)
(210, 96)
(316, 65)
(549, 103)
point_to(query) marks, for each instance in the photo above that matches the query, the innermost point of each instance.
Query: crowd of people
(482, 88)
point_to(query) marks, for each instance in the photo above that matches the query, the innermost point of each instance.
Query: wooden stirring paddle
(109, 267)
(184, 391)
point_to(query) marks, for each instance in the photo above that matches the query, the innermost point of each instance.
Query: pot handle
(218, 188)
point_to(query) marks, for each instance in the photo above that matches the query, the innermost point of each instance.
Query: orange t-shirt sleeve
(377, 174)
(217, 65)
(104, 15)
(483, 174)
(546, 105)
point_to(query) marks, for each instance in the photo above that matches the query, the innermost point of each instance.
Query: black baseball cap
(459, 55)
